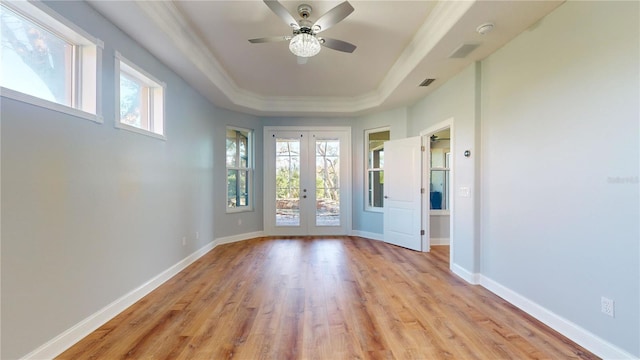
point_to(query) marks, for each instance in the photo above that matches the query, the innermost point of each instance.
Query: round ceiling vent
(485, 28)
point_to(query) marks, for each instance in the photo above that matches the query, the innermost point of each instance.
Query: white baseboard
(368, 235)
(593, 343)
(76, 333)
(471, 278)
(62, 342)
(239, 237)
(439, 241)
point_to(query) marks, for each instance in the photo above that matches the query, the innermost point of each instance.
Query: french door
(307, 181)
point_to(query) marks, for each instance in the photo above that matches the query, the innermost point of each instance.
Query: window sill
(140, 131)
(49, 105)
(374, 210)
(239, 210)
(439, 212)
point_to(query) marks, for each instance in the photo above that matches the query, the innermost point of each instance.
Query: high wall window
(374, 153)
(239, 169)
(141, 99)
(47, 61)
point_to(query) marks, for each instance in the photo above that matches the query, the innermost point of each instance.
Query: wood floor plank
(322, 298)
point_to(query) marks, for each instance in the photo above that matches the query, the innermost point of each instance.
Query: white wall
(439, 229)
(559, 125)
(90, 212)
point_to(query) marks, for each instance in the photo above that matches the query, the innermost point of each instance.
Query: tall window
(239, 169)
(374, 150)
(47, 61)
(141, 99)
(440, 172)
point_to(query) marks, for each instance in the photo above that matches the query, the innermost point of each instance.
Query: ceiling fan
(304, 41)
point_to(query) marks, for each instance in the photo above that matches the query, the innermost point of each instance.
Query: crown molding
(172, 22)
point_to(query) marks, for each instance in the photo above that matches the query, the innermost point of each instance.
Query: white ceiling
(399, 44)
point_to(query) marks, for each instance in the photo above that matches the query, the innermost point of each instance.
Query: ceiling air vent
(462, 51)
(427, 82)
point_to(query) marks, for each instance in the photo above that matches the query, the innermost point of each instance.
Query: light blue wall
(369, 221)
(560, 113)
(551, 120)
(91, 212)
(456, 100)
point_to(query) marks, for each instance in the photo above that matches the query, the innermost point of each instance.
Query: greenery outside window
(48, 61)
(239, 143)
(374, 160)
(141, 100)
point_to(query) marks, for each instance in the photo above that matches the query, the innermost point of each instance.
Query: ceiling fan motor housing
(304, 10)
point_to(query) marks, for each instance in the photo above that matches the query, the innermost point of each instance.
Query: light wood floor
(322, 298)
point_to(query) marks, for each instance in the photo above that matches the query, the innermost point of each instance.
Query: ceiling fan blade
(282, 12)
(270, 39)
(338, 45)
(332, 17)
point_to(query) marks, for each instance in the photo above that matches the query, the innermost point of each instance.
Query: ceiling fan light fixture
(304, 45)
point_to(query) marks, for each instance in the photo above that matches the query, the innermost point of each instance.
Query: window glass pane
(232, 148)
(238, 166)
(375, 162)
(34, 60)
(232, 188)
(237, 188)
(243, 188)
(327, 183)
(130, 101)
(242, 145)
(287, 182)
(439, 196)
(376, 148)
(376, 188)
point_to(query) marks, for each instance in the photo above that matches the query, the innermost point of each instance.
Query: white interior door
(402, 200)
(307, 182)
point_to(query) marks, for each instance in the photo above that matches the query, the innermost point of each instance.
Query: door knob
(386, 197)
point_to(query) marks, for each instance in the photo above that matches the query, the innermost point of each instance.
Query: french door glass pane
(287, 182)
(327, 183)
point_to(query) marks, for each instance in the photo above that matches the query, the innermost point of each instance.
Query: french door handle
(304, 197)
(386, 197)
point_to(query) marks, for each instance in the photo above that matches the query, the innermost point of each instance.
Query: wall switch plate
(464, 191)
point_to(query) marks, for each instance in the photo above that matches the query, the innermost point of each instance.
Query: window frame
(153, 107)
(85, 75)
(249, 169)
(368, 170)
(447, 173)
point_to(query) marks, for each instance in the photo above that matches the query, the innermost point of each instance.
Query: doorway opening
(307, 184)
(437, 174)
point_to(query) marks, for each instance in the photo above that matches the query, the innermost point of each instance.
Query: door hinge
(421, 232)
(422, 148)
(422, 191)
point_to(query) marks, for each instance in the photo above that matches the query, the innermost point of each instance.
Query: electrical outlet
(607, 306)
(184, 240)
